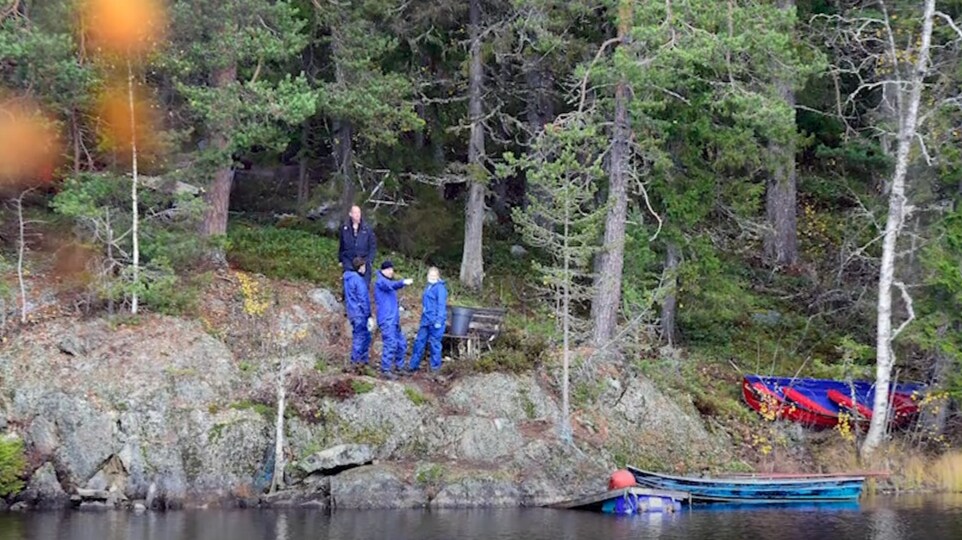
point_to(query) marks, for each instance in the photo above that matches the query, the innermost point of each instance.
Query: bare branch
(584, 80)
(925, 151)
(948, 20)
(908, 306)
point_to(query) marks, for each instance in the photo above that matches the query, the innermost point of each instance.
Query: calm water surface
(881, 519)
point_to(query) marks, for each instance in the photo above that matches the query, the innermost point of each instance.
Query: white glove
(370, 324)
(437, 326)
(408, 281)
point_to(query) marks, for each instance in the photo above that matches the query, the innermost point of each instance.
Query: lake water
(929, 518)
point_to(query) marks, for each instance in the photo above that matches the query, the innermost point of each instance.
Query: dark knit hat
(387, 264)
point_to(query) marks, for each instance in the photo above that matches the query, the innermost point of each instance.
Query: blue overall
(395, 346)
(357, 303)
(433, 317)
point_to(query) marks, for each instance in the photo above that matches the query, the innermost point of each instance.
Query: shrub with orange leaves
(28, 145)
(125, 27)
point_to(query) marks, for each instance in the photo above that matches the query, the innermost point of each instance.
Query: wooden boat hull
(756, 490)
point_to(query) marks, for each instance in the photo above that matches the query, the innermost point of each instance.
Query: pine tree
(226, 61)
(564, 166)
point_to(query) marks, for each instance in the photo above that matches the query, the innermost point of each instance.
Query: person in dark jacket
(394, 346)
(433, 317)
(356, 240)
(357, 304)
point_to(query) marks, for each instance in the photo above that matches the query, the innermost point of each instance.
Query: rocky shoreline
(162, 415)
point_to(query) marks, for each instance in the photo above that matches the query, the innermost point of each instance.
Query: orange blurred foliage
(28, 145)
(73, 263)
(113, 110)
(125, 27)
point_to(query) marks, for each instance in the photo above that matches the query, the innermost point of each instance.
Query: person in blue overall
(356, 240)
(433, 317)
(357, 303)
(394, 346)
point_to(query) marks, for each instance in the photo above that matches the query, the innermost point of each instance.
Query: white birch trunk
(135, 218)
(908, 123)
(277, 480)
(21, 248)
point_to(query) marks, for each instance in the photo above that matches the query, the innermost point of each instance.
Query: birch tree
(22, 225)
(909, 82)
(901, 53)
(129, 31)
(134, 213)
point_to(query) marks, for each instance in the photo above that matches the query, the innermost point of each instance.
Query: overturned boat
(817, 403)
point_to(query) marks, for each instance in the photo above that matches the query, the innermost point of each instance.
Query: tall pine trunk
(344, 160)
(540, 106)
(342, 129)
(908, 124)
(669, 306)
(472, 262)
(218, 196)
(781, 243)
(604, 308)
(303, 168)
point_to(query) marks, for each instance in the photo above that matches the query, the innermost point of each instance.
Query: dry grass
(947, 472)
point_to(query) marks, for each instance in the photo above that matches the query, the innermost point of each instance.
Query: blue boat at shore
(757, 490)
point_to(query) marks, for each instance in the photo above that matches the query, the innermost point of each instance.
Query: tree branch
(584, 80)
(950, 22)
(908, 306)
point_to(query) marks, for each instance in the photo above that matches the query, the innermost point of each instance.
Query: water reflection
(280, 530)
(880, 519)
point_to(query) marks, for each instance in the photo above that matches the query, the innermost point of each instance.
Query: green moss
(215, 433)
(13, 465)
(585, 393)
(430, 474)
(372, 435)
(321, 365)
(267, 411)
(415, 396)
(360, 386)
(526, 404)
(193, 464)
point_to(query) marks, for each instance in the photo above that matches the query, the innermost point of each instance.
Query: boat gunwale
(780, 482)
